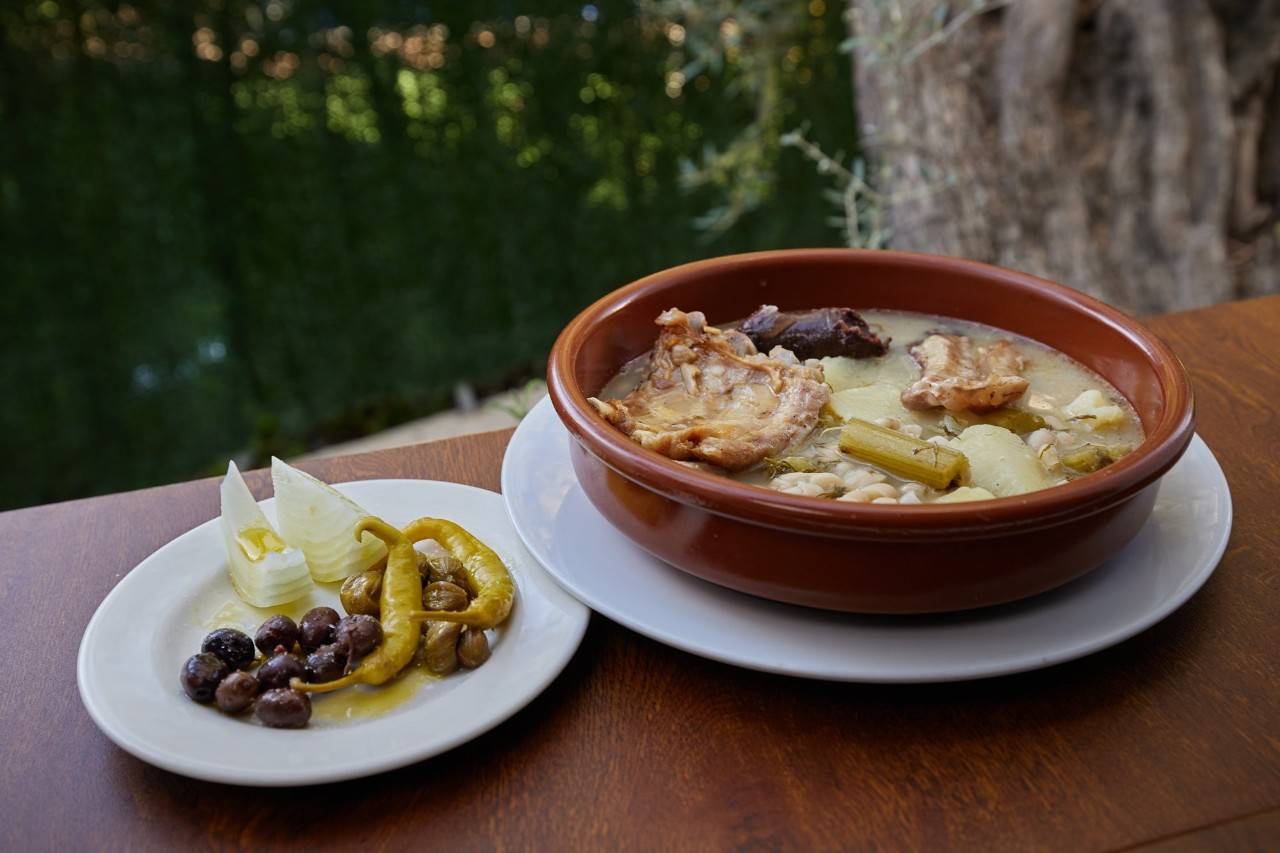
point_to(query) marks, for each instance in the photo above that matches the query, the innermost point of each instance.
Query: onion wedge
(264, 571)
(321, 521)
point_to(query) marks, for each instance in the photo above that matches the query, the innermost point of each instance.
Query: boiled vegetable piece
(869, 403)
(813, 334)
(776, 465)
(902, 455)
(964, 494)
(841, 372)
(1000, 462)
(1015, 420)
(1094, 411)
(1091, 457)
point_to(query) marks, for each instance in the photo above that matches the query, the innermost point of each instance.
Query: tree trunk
(1129, 148)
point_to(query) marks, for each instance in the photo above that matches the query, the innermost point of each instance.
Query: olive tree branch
(945, 32)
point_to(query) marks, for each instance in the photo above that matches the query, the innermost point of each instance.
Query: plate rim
(128, 741)
(1189, 586)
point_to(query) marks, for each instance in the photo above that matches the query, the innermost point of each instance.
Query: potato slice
(869, 403)
(965, 494)
(1000, 462)
(897, 369)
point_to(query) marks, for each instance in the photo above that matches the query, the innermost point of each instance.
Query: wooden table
(1170, 741)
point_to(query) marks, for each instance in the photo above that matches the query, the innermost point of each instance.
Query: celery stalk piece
(910, 458)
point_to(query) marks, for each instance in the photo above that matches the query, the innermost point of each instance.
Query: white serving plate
(1171, 557)
(157, 615)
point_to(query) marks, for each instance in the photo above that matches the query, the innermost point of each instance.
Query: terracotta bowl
(859, 557)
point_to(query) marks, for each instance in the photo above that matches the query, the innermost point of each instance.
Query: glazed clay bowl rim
(1165, 442)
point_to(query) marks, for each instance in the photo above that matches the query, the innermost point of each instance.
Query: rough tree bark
(1130, 148)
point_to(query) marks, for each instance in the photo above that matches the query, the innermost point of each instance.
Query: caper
(441, 647)
(446, 567)
(361, 593)
(473, 648)
(443, 595)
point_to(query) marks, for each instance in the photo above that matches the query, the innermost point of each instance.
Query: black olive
(316, 627)
(234, 647)
(236, 692)
(279, 668)
(201, 674)
(358, 635)
(326, 663)
(276, 631)
(284, 709)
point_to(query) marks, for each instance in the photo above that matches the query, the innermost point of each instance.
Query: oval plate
(1169, 559)
(157, 615)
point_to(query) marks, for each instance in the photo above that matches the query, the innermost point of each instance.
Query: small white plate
(157, 615)
(1155, 573)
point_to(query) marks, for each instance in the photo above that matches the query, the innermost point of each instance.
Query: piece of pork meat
(710, 396)
(959, 375)
(818, 333)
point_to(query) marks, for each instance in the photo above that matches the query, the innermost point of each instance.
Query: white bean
(862, 477)
(810, 483)
(881, 490)
(1041, 439)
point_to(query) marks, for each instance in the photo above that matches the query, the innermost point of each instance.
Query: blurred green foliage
(238, 229)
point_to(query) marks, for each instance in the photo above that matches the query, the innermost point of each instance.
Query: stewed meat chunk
(710, 396)
(817, 333)
(959, 375)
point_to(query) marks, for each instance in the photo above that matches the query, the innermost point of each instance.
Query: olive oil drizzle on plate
(362, 701)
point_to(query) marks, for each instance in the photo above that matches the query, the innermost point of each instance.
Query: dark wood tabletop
(1169, 741)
